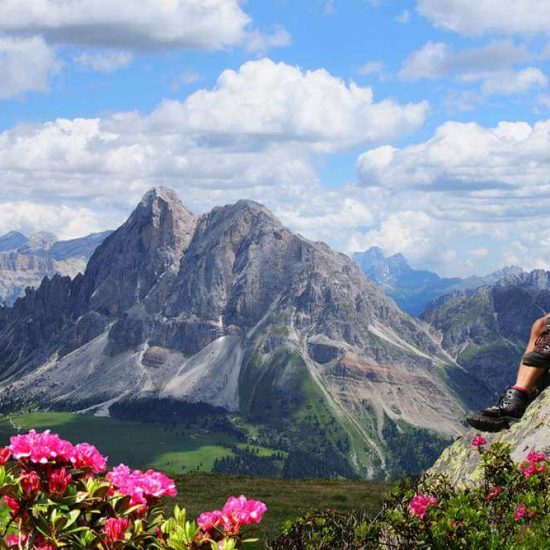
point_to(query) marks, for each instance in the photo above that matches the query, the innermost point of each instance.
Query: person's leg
(528, 376)
(513, 403)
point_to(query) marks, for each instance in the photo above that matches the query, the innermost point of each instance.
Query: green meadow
(188, 457)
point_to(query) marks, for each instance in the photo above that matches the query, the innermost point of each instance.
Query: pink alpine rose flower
(115, 529)
(41, 544)
(30, 484)
(16, 540)
(420, 503)
(478, 441)
(241, 511)
(157, 485)
(536, 456)
(534, 464)
(142, 487)
(208, 521)
(12, 504)
(520, 512)
(40, 448)
(5, 455)
(58, 481)
(493, 493)
(87, 457)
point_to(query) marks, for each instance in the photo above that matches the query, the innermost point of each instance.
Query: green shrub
(509, 508)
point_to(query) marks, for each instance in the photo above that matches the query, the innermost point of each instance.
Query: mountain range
(414, 289)
(486, 330)
(233, 312)
(25, 261)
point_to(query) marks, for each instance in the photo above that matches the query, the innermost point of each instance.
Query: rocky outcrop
(461, 463)
(233, 309)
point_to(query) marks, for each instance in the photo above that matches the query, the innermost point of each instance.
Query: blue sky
(422, 127)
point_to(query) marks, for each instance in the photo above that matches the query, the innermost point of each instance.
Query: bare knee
(540, 324)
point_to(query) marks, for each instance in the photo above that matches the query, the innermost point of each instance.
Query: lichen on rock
(461, 463)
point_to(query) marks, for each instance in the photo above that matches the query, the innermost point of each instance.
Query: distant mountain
(413, 289)
(25, 261)
(231, 310)
(12, 241)
(82, 247)
(486, 330)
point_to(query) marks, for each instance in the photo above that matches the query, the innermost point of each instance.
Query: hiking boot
(508, 410)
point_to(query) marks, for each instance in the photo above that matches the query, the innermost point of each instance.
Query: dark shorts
(540, 356)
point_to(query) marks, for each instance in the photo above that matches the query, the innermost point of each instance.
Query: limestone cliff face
(461, 463)
(233, 309)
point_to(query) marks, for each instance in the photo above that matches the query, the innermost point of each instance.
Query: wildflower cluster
(236, 513)
(508, 508)
(59, 495)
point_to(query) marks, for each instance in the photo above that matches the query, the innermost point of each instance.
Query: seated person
(512, 404)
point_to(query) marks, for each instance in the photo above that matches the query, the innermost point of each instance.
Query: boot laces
(505, 399)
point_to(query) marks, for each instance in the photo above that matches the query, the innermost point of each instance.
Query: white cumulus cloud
(26, 65)
(104, 61)
(255, 134)
(267, 100)
(437, 60)
(477, 17)
(519, 82)
(466, 156)
(134, 24)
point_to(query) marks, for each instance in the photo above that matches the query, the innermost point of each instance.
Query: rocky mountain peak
(159, 193)
(38, 243)
(130, 262)
(234, 310)
(244, 212)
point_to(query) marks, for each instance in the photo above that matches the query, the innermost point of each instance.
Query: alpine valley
(230, 316)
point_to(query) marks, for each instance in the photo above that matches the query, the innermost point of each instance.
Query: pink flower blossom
(42, 544)
(420, 503)
(5, 455)
(115, 529)
(86, 456)
(209, 520)
(520, 512)
(15, 540)
(534, 464)
(157, 484)
(493, 493)
(30, 484)
(243, 510)
(529, 469)
(235, 513)
(536, 456)
(40, 448)
(12, 504)
(142, 487)
(478, 441)
(58, 481)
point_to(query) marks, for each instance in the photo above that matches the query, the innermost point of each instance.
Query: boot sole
(487, 424)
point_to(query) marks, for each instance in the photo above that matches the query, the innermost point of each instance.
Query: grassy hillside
(285, 498)
(174, 451)
(165, 447)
